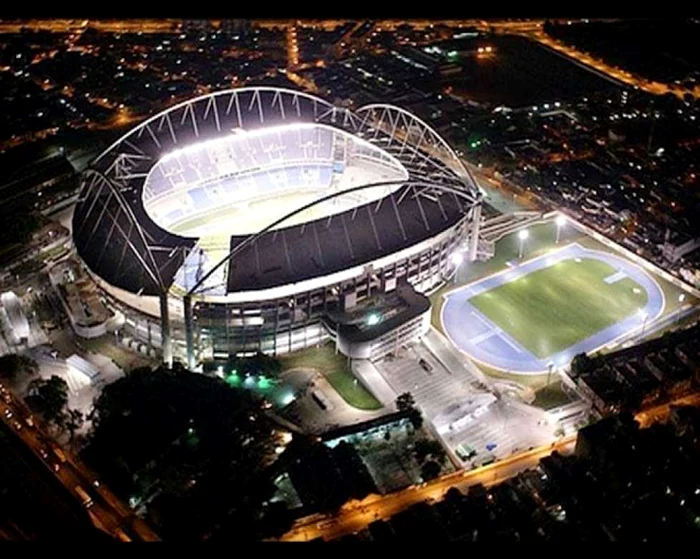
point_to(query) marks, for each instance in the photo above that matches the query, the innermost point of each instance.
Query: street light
(550, 366)
(561, 221)
(457, 259)
(681, 298)
(644, 315)
(522, 235)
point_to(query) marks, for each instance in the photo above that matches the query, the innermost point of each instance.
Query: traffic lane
(72, 473)
(355, 516)
(66, 474)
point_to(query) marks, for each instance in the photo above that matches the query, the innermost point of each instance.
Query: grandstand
(237, 184)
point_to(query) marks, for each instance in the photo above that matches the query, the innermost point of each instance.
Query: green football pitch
(551, 309)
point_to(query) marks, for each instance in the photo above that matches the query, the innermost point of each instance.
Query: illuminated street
(108, 513)
(355, 516)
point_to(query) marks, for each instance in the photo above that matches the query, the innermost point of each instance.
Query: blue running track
(481, 339)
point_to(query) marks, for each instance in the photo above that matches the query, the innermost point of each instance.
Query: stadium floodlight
(373, 319)
(681, 298)
(550, 368)
(457, 258)
(560, 221)
(643, 315)
(522, 235)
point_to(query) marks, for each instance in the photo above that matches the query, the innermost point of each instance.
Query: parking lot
(434, 389)
(468, 418)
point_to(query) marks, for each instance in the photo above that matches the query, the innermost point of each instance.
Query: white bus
(84, 497)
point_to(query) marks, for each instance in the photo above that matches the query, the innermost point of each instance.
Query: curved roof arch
(122, 244)
(269, 228)
(411, 120)
(196, 100)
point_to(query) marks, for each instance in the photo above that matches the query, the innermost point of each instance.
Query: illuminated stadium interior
(239, 183)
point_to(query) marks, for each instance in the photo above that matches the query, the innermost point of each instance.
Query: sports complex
(549, 308)
(237, 221)
(540, 305)
(267, 219)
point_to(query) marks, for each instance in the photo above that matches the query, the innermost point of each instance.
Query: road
(603, 69)
(108, 513)
(662, 411)
(355, 516)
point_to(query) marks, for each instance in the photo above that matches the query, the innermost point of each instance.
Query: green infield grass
(551, 309)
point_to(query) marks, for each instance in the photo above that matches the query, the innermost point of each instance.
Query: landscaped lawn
(335, 368)
(553, 308)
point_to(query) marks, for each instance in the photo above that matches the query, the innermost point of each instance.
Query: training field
(551, 309)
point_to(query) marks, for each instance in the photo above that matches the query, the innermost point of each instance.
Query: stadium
(236, 221)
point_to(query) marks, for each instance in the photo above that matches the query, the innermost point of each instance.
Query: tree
(430, 470)
(48, 397)
(405, 401)
(415, 418)
(12, 365)
(278, 519)
(429, 448)
(258, 364)
(580, 364)
(205, 447)
(73, 420)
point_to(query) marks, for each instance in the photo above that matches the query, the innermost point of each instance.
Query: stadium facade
(236, 221)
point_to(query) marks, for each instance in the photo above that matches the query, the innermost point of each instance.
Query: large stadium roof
(119, 242)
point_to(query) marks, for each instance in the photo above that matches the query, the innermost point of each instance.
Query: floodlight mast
(523, 234)
(476, 226)
(166, 337)
(560, 221)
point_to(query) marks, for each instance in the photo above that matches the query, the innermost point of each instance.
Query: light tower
(522, 236)
(474, 236)
(643, 314)
(457, 259)
(681, 298)
(560, 221)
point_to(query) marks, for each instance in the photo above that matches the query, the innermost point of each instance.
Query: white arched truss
(432, 165)
(323, 112)
(404, 131)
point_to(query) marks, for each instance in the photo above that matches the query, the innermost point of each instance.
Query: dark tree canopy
(405, 401)
(430, 470)
(580, 364)
(416, 418)
(203, 444)
(48, 397)
(72, 421)
(258, 364)
(13, 365)
(429, 448)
